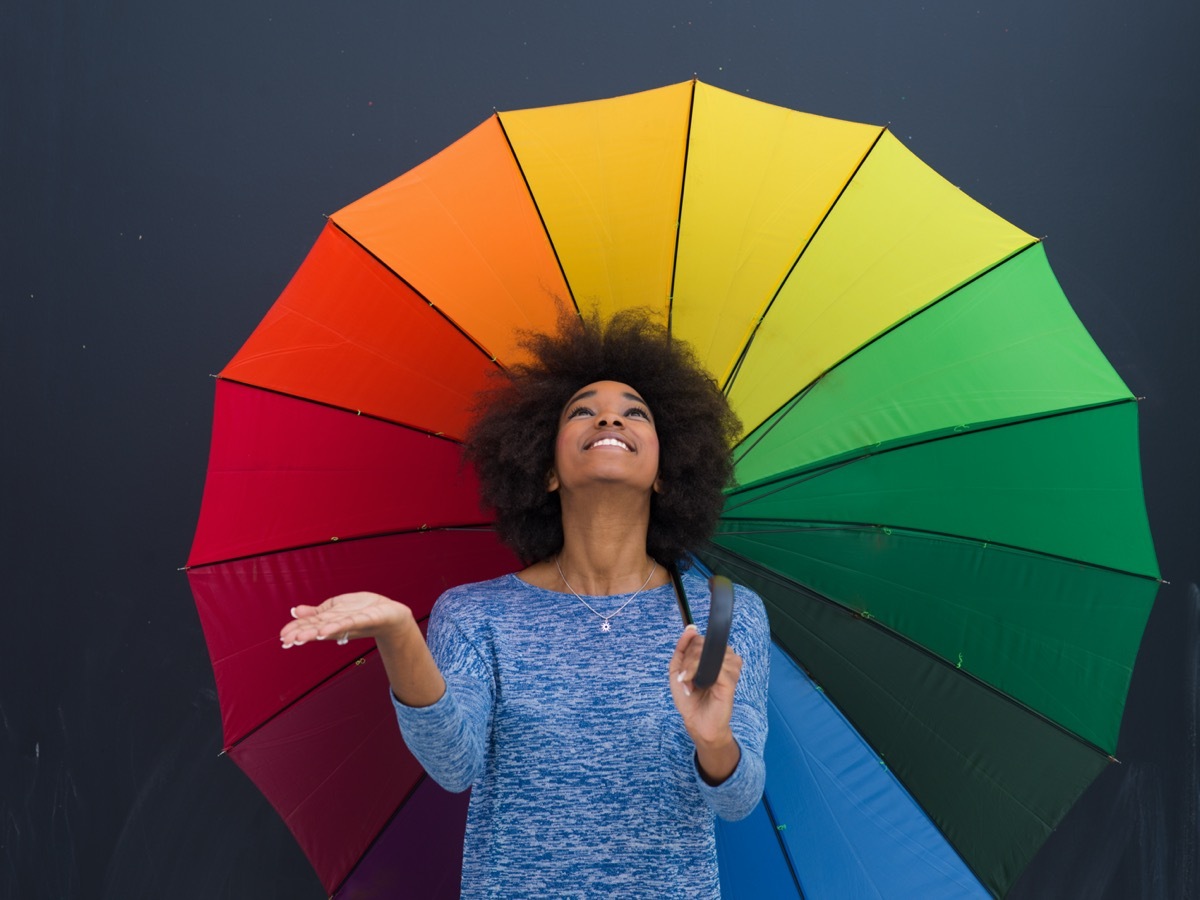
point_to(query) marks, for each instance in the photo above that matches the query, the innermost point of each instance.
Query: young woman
(562, 695)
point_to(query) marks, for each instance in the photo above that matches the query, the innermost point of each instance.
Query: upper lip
(610, 436)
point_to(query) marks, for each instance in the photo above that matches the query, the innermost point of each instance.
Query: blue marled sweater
(583, 777)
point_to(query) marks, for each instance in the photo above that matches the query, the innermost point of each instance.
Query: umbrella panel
(606, 179)
(286, 473)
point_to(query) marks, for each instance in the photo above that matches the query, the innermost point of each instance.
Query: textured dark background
(164, 168)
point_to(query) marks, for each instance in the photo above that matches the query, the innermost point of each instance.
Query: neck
(604, 547)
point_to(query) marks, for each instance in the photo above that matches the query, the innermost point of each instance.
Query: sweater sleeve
(449, 738)
(736, 796)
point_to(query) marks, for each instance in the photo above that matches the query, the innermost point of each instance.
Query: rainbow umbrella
(939, 494)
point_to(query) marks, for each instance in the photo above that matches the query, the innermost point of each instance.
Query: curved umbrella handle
(720, 620)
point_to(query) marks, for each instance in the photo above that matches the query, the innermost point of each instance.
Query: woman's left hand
(706, 711)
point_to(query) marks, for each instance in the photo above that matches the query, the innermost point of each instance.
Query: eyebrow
(583, 395)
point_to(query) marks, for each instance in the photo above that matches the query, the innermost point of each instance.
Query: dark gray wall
(164, 168)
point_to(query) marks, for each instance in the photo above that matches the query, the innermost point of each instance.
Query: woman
(563, 694)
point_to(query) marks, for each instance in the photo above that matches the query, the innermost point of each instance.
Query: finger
(340, 631)
(691, 660)
(315, 626)
(303, 617)
(729, 674)
(296, 634)
(685, 653)
(336, 624)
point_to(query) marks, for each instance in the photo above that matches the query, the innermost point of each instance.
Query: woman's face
(605, 435)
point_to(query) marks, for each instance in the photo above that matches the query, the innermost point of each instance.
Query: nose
(609, 422)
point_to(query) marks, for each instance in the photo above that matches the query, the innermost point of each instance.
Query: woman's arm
(450, 737)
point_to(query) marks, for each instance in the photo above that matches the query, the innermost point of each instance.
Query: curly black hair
(511, 440)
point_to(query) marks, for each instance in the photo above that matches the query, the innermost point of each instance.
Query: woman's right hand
(346, 617)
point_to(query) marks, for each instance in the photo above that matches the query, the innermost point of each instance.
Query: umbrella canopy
(939, 495)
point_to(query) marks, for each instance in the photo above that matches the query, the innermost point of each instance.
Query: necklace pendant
(604, 626)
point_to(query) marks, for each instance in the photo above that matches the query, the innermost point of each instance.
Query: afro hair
(511, 440)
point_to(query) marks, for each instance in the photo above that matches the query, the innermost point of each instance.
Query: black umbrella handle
(720, 620)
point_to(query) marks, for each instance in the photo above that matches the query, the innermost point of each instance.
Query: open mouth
(609, 442)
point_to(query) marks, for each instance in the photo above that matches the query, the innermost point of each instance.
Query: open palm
(361, 614)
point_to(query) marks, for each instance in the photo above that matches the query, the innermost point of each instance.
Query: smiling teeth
(610, 442)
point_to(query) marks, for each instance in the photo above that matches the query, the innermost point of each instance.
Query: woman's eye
(637, 411)
(579, 411)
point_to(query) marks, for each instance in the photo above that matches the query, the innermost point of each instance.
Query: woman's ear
(551, 482)
(658, 488)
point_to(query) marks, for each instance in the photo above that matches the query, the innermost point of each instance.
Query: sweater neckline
(649, 592)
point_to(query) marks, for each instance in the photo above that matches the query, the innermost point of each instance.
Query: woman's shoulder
(467, 609)
(749, 610)
(475, 592)
(485, 598)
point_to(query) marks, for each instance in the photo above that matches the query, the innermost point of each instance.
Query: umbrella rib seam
(736, 368)
(836, 525)
(687, 149)
(357, 412)
(541, 218)
(465, 526)
(787, 856)
(491, 357)
(383, 830)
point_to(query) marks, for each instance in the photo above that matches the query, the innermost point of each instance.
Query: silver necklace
(604, 620)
